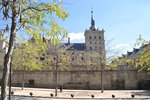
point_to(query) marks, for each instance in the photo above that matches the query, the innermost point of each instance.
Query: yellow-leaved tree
(32, 17)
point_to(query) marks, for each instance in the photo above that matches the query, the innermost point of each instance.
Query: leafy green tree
(140, 60)
(60, 62)
(27, 57)
(143, 62)
(30, 17)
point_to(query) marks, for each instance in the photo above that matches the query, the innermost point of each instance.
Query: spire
(92, 21)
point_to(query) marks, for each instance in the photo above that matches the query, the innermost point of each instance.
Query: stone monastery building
(85, 60)
(92, 52)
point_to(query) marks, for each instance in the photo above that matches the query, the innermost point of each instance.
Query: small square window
(99, 37)
(72, 59)
(90, 37)
(90, 48)
(82, 58)
(42, 58)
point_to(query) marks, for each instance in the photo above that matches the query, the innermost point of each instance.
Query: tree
(143, 62)
(139, 60)
(30, 16)
(27, 57)
(59, 60)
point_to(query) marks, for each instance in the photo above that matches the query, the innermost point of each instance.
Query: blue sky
(122, 20)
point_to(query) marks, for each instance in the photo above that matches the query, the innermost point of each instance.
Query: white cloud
(120, 49)
(121, 46)
(77, 37)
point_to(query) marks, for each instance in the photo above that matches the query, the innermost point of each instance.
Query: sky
(122, 20)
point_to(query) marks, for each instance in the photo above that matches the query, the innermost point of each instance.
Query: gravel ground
(44, 94)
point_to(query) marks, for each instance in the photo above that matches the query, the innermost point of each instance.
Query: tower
(94, 38)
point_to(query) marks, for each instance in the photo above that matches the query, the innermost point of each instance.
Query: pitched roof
(76, 46)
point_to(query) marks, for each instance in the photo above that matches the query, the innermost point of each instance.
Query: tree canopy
(34, 17)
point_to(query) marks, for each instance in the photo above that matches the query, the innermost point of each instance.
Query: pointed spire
(92, 21)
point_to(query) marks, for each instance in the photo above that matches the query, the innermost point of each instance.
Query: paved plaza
(44, 94)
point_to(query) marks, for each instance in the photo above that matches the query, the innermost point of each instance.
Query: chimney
(69, 40)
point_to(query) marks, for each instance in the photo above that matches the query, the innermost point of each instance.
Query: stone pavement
(44, 94)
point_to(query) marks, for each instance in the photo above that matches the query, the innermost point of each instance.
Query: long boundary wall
(116, 79)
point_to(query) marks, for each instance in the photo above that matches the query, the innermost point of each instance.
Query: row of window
(72, 53)
(81, 59)
(94, 48)
(95, 42)
(90, 37)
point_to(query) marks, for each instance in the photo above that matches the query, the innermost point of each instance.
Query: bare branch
(34, 8)
(19, 27)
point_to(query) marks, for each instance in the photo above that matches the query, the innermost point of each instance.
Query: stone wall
(125, 79)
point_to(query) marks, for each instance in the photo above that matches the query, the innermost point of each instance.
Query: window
(72, 59)
(42, 58)
(90, 42)
(94, 37)
(90, 37)
(90, 48)
(82, 58)
(72, 53)
(31, 82)
(99, 37)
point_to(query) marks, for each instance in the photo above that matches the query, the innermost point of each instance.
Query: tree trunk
(7, 58)
(102, 87)
(56, 75)
(10, 80)
(23, 79)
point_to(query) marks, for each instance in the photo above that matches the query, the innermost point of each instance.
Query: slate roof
(136, 50)
(76, 46)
